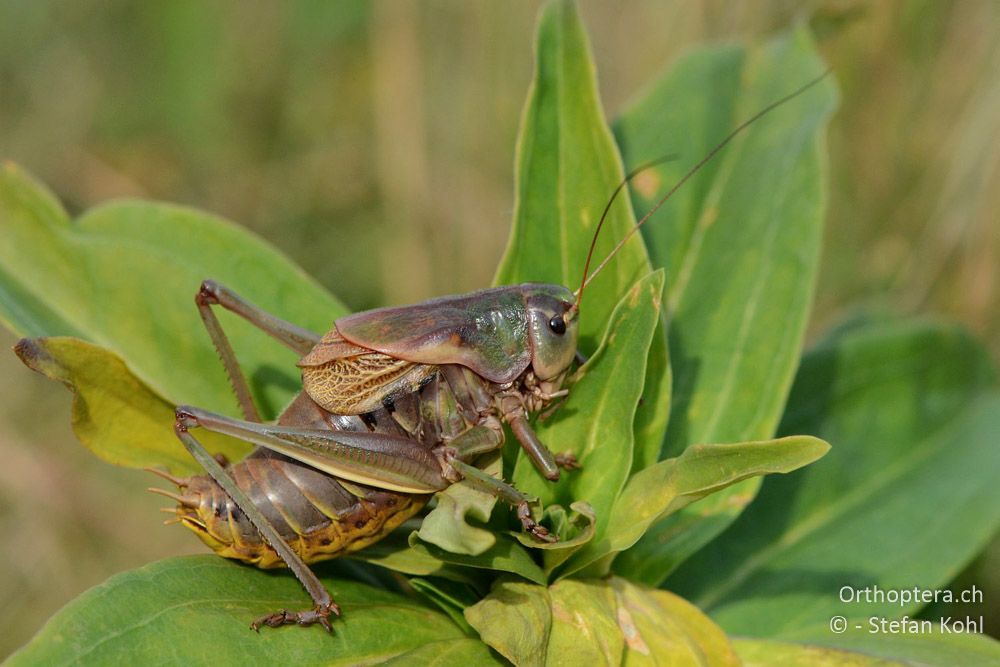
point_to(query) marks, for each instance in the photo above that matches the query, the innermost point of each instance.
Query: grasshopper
(397, 403)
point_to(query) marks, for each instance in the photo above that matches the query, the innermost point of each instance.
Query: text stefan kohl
(948, 625)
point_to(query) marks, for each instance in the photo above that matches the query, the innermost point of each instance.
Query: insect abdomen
(321, 516)
(313, 512)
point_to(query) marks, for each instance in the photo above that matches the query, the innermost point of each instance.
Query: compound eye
(558, 325)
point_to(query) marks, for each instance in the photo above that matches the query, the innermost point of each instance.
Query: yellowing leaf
(115, 414)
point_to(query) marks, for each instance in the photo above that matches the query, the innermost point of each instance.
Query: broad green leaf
(914, 421)
(394, 552)
(447, 525)
(124, 276)
(115, 414)
(669, 485)
(684, 114)
(409, 555)
(928, 647)
(567, 166)
(767, 652)
(740, 245)
(515, 619)
(741, 265)
(451, 597)
(505, 555)
(584, 624)
(569, 623)
(595, 422)
(196, 609)
(596, 622)
(660, 628)
(449, 652)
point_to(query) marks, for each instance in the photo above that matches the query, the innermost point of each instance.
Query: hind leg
(323, 604)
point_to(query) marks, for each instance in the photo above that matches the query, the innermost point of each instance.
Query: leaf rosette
(693, 336)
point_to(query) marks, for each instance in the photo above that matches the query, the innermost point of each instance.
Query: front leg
(567, 461)
(506, 493)
(546, 463)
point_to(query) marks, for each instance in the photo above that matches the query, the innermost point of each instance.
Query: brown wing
(348, 379)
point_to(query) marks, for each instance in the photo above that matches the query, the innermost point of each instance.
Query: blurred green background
(373, 142)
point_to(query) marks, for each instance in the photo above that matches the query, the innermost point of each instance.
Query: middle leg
(298, 339)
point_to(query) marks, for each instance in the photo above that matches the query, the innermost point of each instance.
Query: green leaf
(740, 245)
(934, 647)
(124, 276)
(595, 422)
(450, 597)
(515, 619)
(765, 653)
(448, 652)
(447, 525)
(571, 623)
(584, 624)
(670, 485)
(567, 166)
(684, 113)
(505, 555)
(914, 422)
(394, 552)
(411, 556)
(606, 621)
(115, 414)
(661, 628)
(196, 609)
(741, 266)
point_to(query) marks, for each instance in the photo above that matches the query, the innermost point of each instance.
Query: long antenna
(600, 223)
(691, 172)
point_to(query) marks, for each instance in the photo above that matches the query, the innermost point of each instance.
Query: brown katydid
(397, 404)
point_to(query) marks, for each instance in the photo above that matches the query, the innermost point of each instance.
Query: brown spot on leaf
(657, 297)
(633, 638)
(633, 296)
(708, 217)
(647, 183)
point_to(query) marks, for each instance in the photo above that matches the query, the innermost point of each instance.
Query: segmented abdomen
(319, 516)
